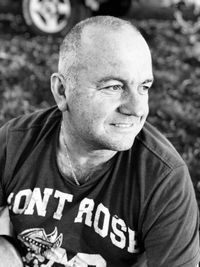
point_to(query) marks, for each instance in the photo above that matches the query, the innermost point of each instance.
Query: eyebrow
(111, 77)
(148, 81)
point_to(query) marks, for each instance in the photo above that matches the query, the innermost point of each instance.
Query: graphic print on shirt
(45, 249)
(48, 248)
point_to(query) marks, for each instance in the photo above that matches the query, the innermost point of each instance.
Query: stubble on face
(101, 55)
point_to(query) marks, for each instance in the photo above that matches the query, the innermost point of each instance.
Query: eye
(116, 87)
(143, 89)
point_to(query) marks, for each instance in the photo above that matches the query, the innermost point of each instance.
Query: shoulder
(21, 136)
(156, 162)
(162, 173)
(28, 129)
(158, 147)
(167, 199)
(36, 119)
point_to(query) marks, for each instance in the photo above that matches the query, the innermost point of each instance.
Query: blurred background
(30, 34)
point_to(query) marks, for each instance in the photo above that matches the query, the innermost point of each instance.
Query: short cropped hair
(71, 45)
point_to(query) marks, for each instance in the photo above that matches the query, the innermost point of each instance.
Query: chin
(121, 140)
(124, 148)
(121, 145)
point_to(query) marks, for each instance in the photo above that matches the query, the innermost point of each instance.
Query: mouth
(123, 125)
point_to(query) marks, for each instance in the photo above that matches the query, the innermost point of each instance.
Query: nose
(134, 104)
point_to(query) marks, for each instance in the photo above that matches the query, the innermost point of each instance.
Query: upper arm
(9, 254)
(5, 224)
(3, 145)
(171, 234)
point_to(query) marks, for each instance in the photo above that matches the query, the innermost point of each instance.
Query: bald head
(91, 33)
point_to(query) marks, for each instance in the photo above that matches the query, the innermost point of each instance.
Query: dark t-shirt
(143, 202)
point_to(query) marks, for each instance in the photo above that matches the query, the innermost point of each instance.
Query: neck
(81, 160)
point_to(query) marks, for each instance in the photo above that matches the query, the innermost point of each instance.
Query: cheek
(91, 110)
(146, 104)
(92, 107)
(89, 114)
(146, 108)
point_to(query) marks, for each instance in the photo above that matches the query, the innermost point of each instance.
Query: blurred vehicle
(50, 17)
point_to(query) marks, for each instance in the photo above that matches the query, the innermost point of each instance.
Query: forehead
(105, 40)
(111, 52)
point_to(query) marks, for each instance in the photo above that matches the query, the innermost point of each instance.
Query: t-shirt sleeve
(3, 131)
(171, 228)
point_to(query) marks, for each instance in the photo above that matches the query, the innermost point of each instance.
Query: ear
(59, 91)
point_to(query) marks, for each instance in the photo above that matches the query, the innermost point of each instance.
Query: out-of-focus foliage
(27, 62)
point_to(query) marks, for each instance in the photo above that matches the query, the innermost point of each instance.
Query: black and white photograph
(99, 133)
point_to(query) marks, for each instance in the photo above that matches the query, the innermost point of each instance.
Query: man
(90, 183)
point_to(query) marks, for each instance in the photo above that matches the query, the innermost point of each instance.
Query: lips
(123, 125)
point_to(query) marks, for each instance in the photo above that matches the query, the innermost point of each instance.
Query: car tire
(52, 17)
